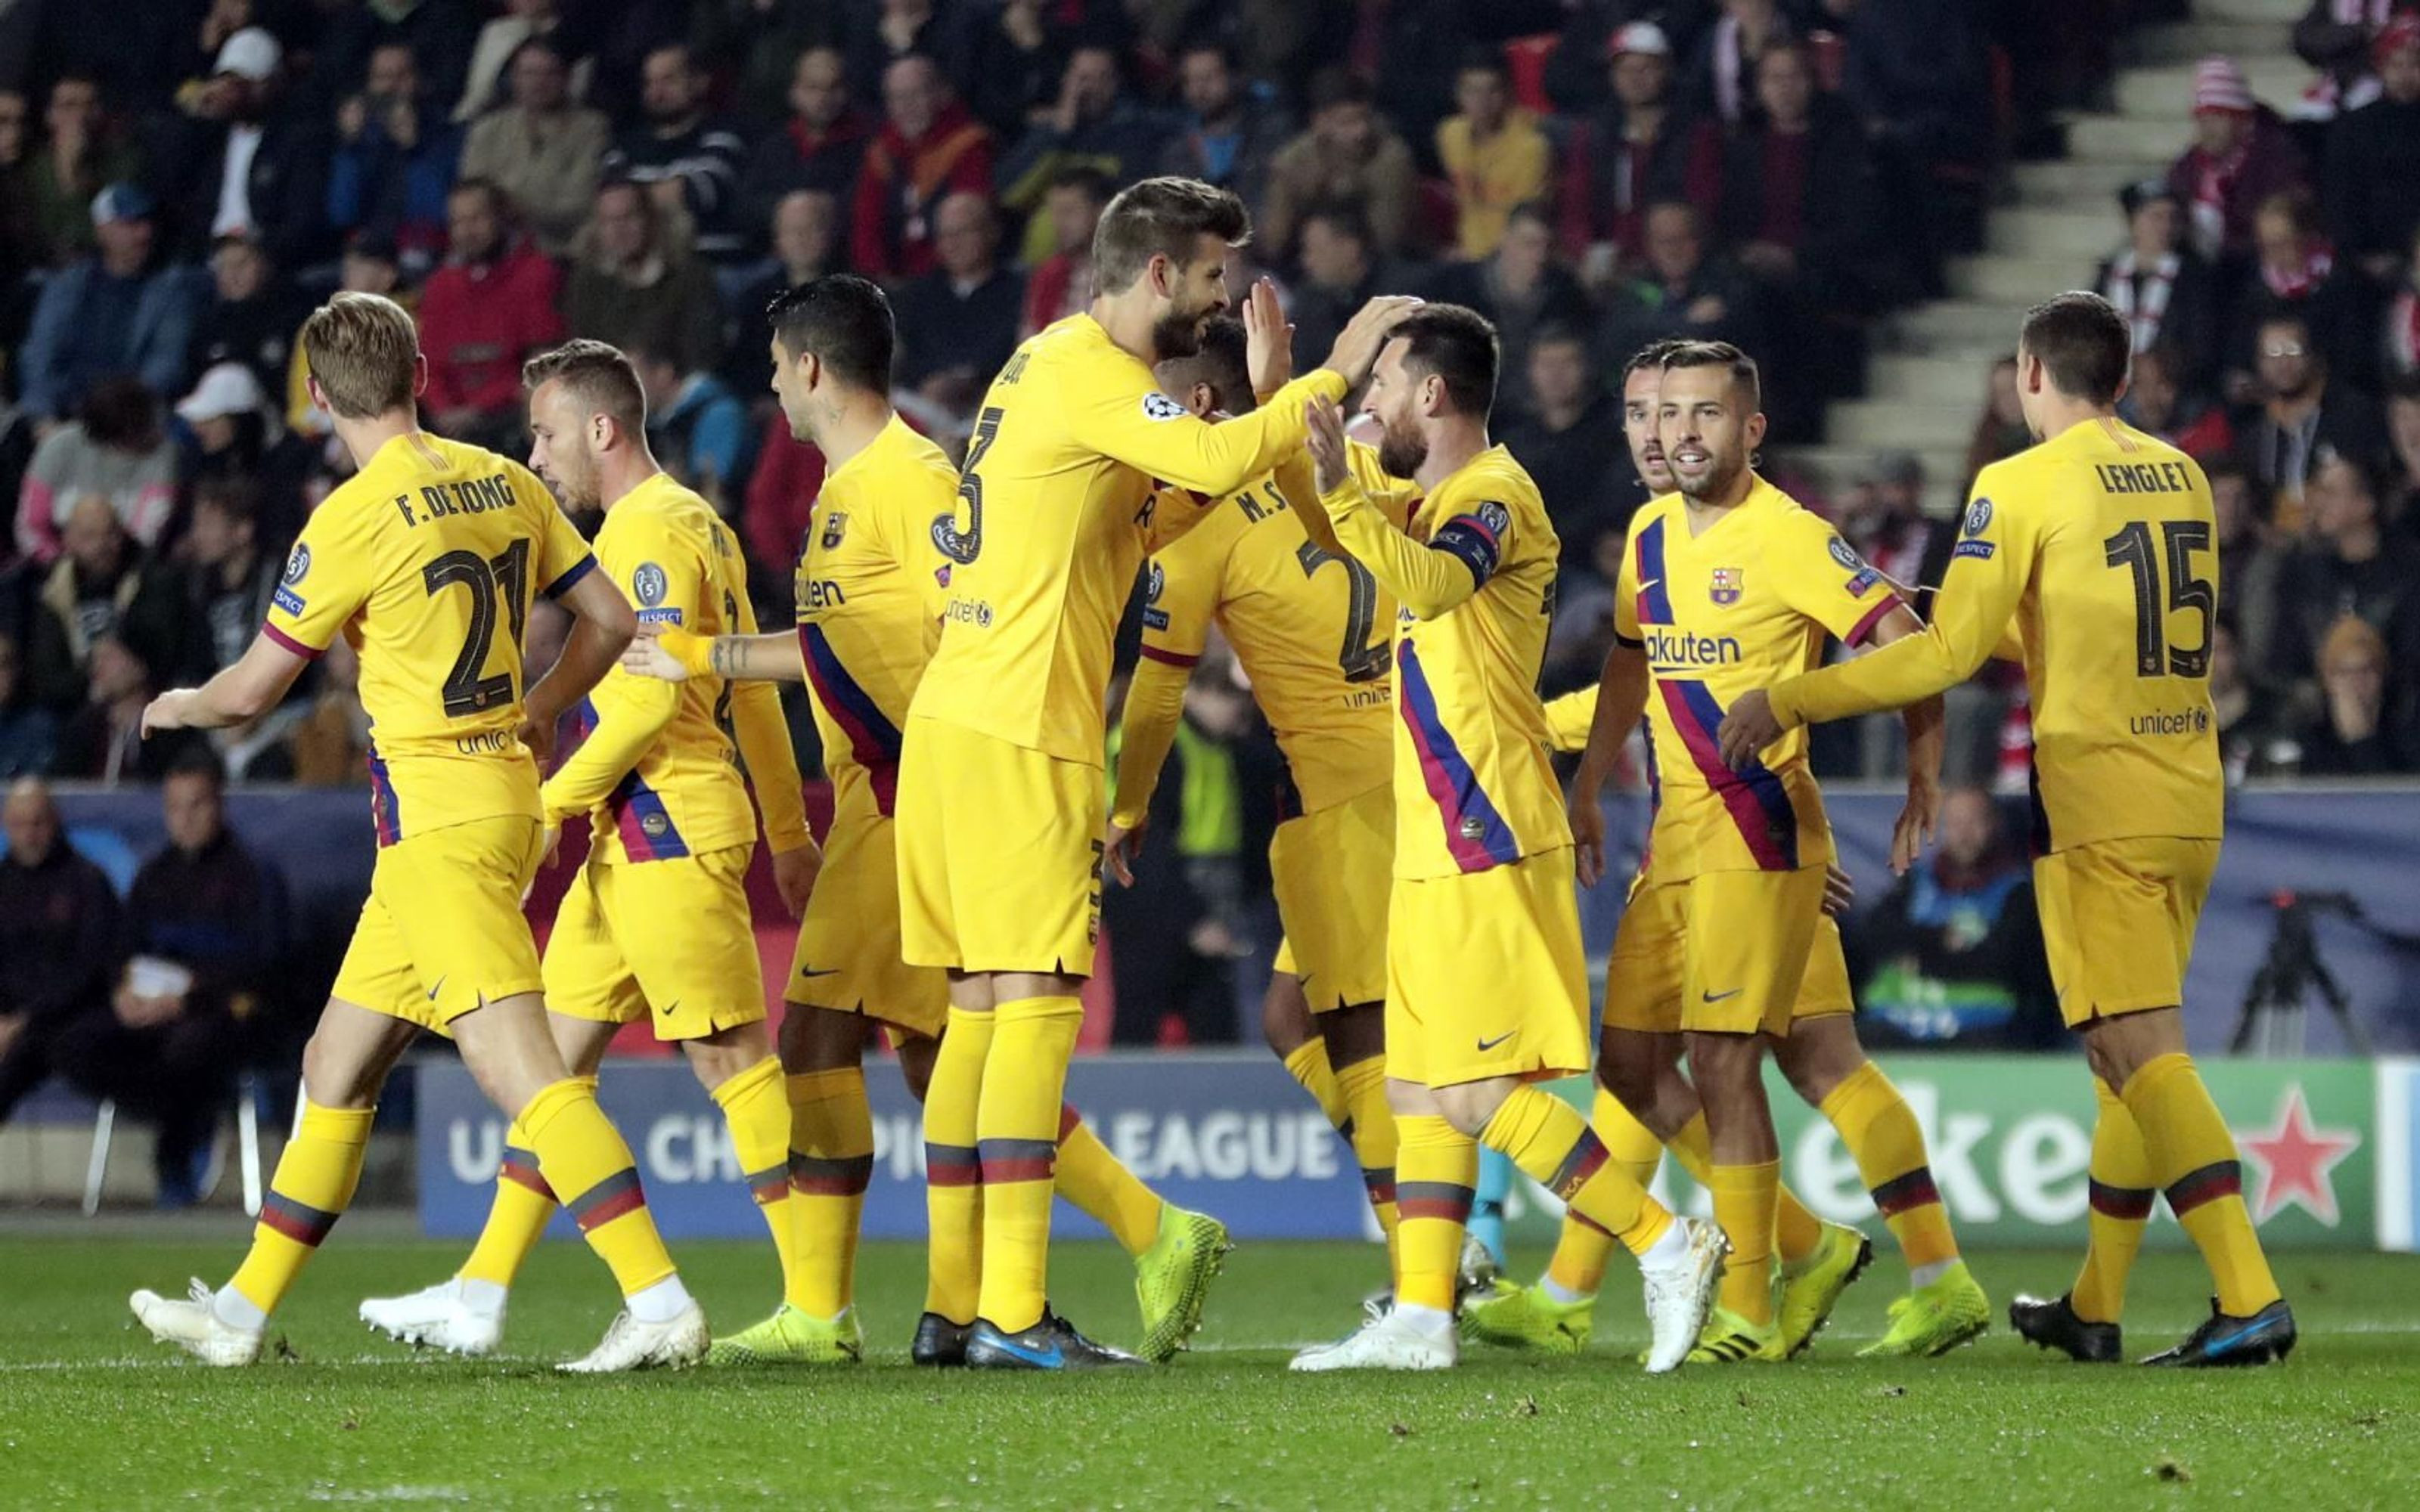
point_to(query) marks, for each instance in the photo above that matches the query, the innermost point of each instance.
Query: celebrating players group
(1389, 604)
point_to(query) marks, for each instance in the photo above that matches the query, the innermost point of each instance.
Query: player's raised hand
(1748, 727)
(1914, 830)
(794, 876)
(1588, 834)
(168, 711)
(1269, 340)
(1121, 848)
(1358, 344)
(1839, 892)
(1326, 423)
(647, 655)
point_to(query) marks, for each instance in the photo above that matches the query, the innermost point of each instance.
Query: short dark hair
(233, 495)
(1334, 87)
(2284, 315)
(1095, 184)
(1458, 345)
(199, 760)
(1221, 363)
(1652, 355)
(1744, 377)
(546, 43)
(1555, 332)
(500, 202)
(1343, 217)
(599, 376)
(2082, 343)
(121, 412)
(845, 320)
(1483, 60)
(2221, 465)
(1211, 42)
(1162, 217)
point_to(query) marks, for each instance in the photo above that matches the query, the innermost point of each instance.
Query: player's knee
(1814, 1068)
(916, 1054)
(1723, 1062)
(335, 1075)
(1468, 1107)
(1285, 1022)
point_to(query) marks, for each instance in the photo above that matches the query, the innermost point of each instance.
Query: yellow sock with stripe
(584, 1159)
(1017, 1138)
(1582, 1250)
(1795, 1230)
(517, 1215)
(1370, 1126)
(1307, 1064)
(831, 1159)
(1101, 1187)
(953, 1171)
(757, 1109)
(2194, 1159)
(1555, 1146)
(1633, 1145)
(2122, 1192)
(1436, 1170)
(1882, 1137)
(1746, 1197)
(314, 1184)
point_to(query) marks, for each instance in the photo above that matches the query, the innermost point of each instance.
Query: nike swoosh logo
(1716, 998)
(438, 988)
(670, 1008)
(1485, 1045)
(1049, 1360)
(2216, 1345)
(817, 971)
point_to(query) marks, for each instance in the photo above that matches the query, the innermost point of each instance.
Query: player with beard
(1486, 989)
(1001, 795)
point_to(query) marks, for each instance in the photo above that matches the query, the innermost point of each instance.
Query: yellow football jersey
(871, 587)
(655, 766)
(1310, 628)
(1056, 510)
(2100, 544)
(426, 561)
(1473, 786)
(1740, 605)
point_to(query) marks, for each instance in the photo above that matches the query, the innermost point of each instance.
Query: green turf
(94, 1415)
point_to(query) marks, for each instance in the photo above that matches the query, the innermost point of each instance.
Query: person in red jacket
(929, 148)
(492, 305)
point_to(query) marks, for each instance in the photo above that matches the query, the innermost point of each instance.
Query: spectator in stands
(1918, 73)
(490, 307)
(685, 158)
(1062, 284)
(2167, 292)
(2252, 739)
(631, 286)
(241, 161)
(2241, 154)
(252, 314)
(59, 937)
(782, 495)
(1231, 133)
(2401, 347)
(1521, 289)
(2403, 434)
(958, 323)
(2302, 411)
(121, 311)
(329, 747)
(2351, 567)
(2000, 430)
(1953, 955)
(103, 741)
(929, 147)
(542, 150)
(440, 33)
(1722, 76)
(81, 152)
(395, 160)
(100, 587)
(1024, 46)
(1495, 155)
(1680, 292)
(27, 730)
(946, 32)
(1801, 205)
(1636, 149)
(369, 267)
(21, 246)
(1341, 271)
(2362, 727)
(225, 429)
(1884, 519)
(2373, 159)
(228, 578)
(806, 242)
(1571, 442)
(1097, 123)
(2295, 268)
(204, 922)
(1349, 157)
(498, 50)
(2335, 37)
(819, 147)
(699, 431)
(116, 451)
(2250, 562)
(2157, 401)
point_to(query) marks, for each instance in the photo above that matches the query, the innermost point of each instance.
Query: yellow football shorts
(1733, 952)
(442, 932)
(1486, 976)
(2117, 922)
(674, 936)
(1333, 870)
(848, 953)
(1000, 854)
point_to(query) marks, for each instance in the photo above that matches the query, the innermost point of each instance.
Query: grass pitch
(93, 1416)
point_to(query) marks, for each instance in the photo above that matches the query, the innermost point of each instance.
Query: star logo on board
(2295, 1158)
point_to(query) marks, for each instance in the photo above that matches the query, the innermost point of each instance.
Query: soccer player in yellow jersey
(426, 561)
(869, 598)
(1485, 989)
(1000, 794)
(2098, 544)
(659, 915)
(1311, 628)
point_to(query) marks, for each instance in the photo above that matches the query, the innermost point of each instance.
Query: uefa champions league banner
(1231, 1134)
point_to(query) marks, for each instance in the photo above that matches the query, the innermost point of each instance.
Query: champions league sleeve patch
(1476, 539)
(297, 566)
(1157, 406)
(1846, 555)
(649, 584)
(1978, 517)
(1154, 584)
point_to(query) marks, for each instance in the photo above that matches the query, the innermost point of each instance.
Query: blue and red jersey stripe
(1476, 834)
(874, 741)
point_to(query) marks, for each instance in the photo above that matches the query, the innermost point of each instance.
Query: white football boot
(194, 1326)
(1679, 1295)
(437, 1318)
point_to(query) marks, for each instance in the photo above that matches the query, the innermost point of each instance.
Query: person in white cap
(239, 168)
(1638, 148)
(2240, 155)
(225, 412)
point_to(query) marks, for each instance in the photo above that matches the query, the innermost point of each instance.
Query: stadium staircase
(2055, 219)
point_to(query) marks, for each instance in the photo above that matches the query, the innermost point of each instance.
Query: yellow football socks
(2122, 1193)
(2193, 1158)
(953, 1171)
(1746, 1197)
(1307, 1065)
(1795, 1230)
(1436, 1169)
(757, 1109)
(1017, 1138)
(1098, 1183)
(1581, 1248)
(314, 1183)
(589, 1166)
(1633, 1145)
(518, 1215)
(1370, 1124)
(830, 1158)
(1555, 1146)
(1882, 1137)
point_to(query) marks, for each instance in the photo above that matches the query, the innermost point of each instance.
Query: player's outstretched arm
(670, 654)
(1621, 703)
(772, 762)
(1429, 580)
(255, 683)
(1928, 736)
(1155, 704)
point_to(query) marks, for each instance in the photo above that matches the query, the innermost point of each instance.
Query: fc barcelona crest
(1726, 589)
(834, 523)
